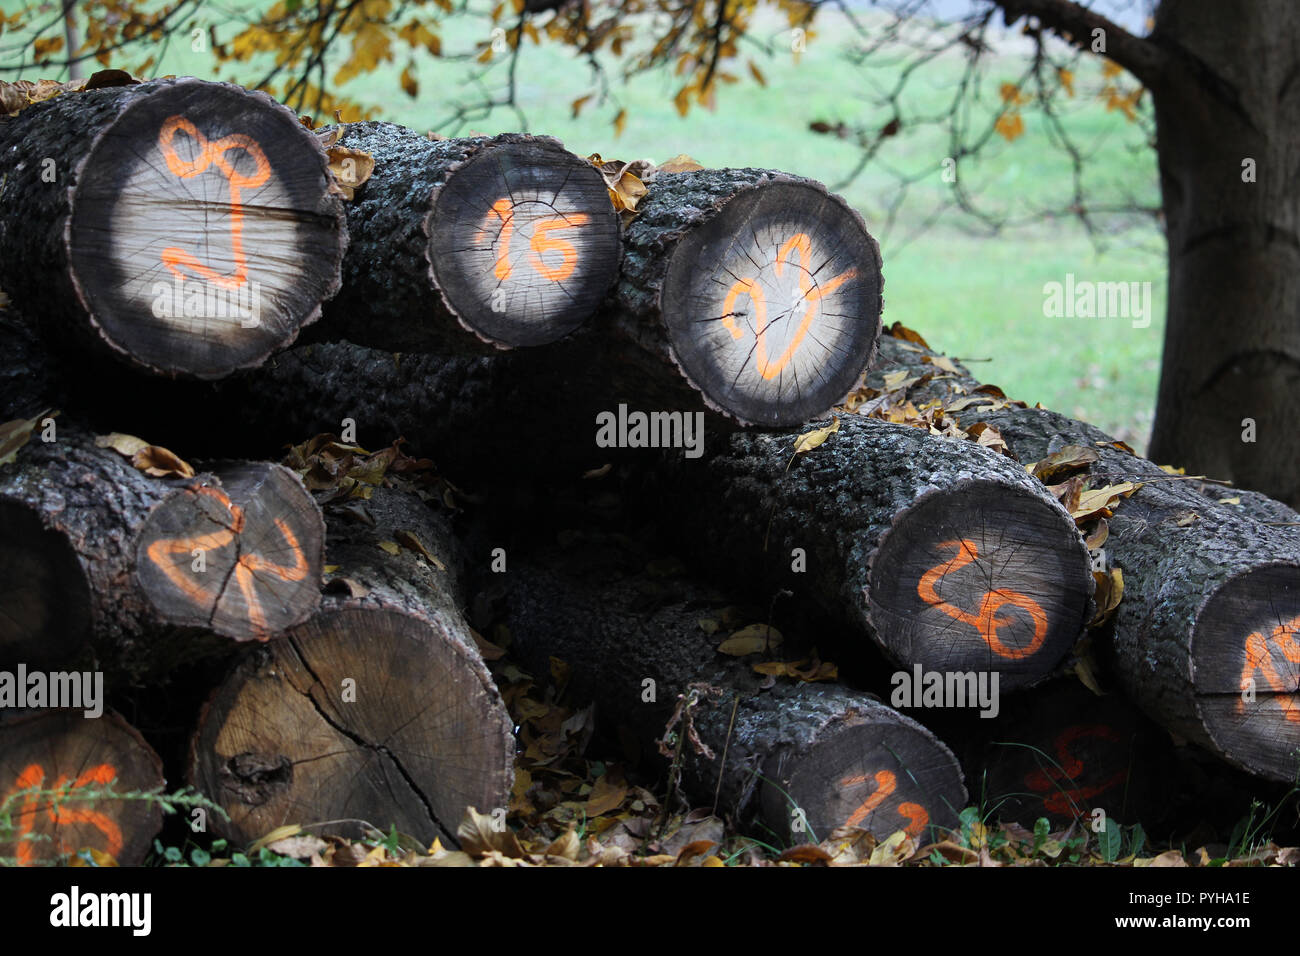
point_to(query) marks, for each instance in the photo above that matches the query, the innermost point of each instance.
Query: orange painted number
(246, 566)
(985, 621)
(886, 784)
(812, 295)
(1259, 658)
(213, 154)
(32, 777)
(539, 245)
(1068, 801)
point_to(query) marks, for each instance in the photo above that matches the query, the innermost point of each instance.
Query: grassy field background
(975, 296)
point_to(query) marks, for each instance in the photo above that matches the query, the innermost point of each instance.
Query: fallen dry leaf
(349, 169)
(153, 460)
(900, 331)
(411, 541)
(754, 639)
(15, 434)
(1063, 463)
(813, 439)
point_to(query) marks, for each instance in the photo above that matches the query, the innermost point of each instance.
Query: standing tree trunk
(1229, 144)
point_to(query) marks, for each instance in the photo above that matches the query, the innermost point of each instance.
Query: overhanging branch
(1075, 24)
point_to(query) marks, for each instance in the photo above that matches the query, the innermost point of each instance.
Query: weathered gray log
(760, 289)
(460, 245)
(156, 570)
(1205, 636)
(185, 226)
(56, 749)
(799, 759)
(379, 708)
(944, 553)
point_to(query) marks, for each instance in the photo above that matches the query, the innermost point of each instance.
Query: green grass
(974, 296)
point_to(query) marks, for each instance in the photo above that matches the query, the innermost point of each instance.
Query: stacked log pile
(481, 298)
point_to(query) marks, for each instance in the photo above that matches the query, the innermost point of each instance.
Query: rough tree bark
(460, 245)
(1204, 638)
(379, 708)
(837, 755)
(155, 570)
(186, 227)
(943, 552)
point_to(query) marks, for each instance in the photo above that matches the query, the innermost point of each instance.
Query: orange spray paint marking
(1068, 801)
(886, 783)
(32, 776)
(246, 566)
(213, 154)
(918, 816)
(985, 620)
(802, 245)
(1259, 658)
(539, 245)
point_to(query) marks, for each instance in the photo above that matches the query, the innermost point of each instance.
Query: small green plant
(22, 803)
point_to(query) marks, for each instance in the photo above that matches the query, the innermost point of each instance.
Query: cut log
(945, 553)
(55, 749)
(378, 709)
(183, 225)
(509, 240)
(1204, 638)
(799, 759)
(157, 570)
(764, 290)
(1062, 752)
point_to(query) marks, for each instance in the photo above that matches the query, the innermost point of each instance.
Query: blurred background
(987, 160)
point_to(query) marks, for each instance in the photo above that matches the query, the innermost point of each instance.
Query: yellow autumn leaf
(410, 540)
(578, 104)
(1067, 80)
(1093, 500)
(681, 163)
(44, 48)
(757, 74)
(810, 440)
(943, 363)
(409, 84)
(1111, 68)
(620, 121)
(1010, 126)
(279, 833)
(392, 547)
(750, 640)
(1011, 93)
(14, 435)
(349, 169)
(682, 101)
